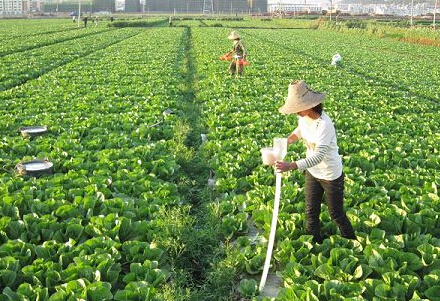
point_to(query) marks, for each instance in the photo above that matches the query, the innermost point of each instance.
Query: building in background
(132, 6)
(21, 7)
(231, 7)
(354, 8)
(87, 7)
(296, 7)
(338, 7)
(2, 6)
(103, 6)
(119, 5)
(258, 6)
(65, 7)
(34, 6)
(11, 7)
(196, 6)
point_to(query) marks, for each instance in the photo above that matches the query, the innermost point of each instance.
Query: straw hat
(233, 35)
(300, 98)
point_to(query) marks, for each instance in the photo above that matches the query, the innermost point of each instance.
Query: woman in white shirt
(322, 165)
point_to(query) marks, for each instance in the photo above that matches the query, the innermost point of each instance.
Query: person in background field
(85, 22)
(239, 52)
(95, 21)
(112, 19)
(322, 165)
(170, 20)
(73, 19)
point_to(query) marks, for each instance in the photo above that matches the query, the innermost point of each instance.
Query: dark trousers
(234, 67)
(334, 196)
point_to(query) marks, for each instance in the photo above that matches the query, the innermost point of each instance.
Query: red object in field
(226, 57)
(243, 62)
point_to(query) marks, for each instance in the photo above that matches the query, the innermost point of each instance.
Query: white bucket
(336, 59)
(268, 155)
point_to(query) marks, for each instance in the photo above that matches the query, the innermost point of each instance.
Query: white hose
(273, 228)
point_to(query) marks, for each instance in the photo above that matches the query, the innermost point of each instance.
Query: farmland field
(138, 208)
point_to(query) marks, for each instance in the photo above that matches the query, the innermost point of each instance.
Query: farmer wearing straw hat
(239, 52)
(322, 165)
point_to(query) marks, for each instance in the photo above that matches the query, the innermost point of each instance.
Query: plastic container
(268, 155)
(280, 148)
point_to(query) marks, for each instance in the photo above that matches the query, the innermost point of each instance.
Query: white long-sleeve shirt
(322, 157)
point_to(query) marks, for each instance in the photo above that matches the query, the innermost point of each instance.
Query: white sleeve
(297, 132)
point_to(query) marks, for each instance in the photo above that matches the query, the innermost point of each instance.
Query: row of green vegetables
(399, 30)
(45, 39)
(372, 100)
(108, 175)
(93, 229)
(20, 67)
(246, 22)
(379, 60)
(388, 153)
(24, 28)
(389, 144)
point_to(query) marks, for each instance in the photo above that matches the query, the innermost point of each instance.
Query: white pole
(79, 12)
(331, 5)
(435, 10)
(273, 228)
(411, 21)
